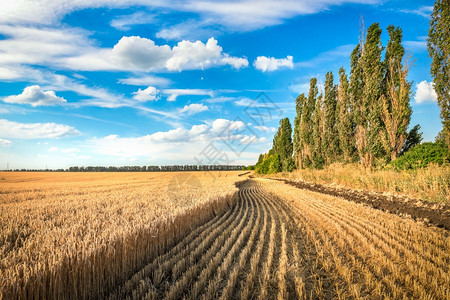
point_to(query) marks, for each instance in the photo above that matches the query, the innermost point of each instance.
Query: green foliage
(344, 118)
(317, 146)
(330, 140)
(271, 164)
(439, 51)
(414, 138)
(297, 141)
(422, 155)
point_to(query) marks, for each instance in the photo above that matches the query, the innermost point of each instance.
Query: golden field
(174, 236)
(83, 232)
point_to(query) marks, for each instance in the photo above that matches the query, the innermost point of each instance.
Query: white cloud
(268, 64)
(53, 149)
(266, 129)
(135, 53)
(125, 22)
(146, 80)
(425, 92)
(70, 150)
(174, 93)
(15, 130)
(243, 15)
(417, 46)
(149, 94)
(193, 109)
(167, 143)
(424, 11)
(236, 62)
(5, 143)
(35, 96)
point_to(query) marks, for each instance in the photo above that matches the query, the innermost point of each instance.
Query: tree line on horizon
(365, 116)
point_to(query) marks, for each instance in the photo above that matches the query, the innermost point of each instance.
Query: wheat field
(259, 239)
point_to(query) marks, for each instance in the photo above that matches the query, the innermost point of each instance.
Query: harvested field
(279, 242)
(77, 235)
(273, 241)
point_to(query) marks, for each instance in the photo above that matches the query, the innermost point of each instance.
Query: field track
(284, 247)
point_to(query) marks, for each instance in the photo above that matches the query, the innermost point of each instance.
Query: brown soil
(437, 214)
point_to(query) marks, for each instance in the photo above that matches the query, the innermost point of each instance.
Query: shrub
(422, 155)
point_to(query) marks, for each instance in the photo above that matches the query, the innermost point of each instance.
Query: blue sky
(125, 82)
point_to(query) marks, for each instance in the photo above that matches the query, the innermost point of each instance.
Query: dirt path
(279, 242)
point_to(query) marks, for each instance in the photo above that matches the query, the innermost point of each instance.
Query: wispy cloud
(174, 93)
(423, 11)
(125, 22)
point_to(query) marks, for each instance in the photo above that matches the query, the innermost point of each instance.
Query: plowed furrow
(282, 243)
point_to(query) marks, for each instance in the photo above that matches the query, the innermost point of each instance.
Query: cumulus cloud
(193, 140)
(35, 96)
(425, 92)
(134, 53)
(16, 130)
(268, 64)
(149, 94)
(4, 142)
(193, 109)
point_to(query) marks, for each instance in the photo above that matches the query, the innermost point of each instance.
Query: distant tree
(414, 138)
(306, 128)
(439, 51)
(344, 119)
(300, 102)
(330, 142)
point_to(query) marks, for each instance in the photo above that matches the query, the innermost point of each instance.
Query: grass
(430, 184)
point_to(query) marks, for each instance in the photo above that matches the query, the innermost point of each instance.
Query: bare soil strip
(437, 214)
(279, 242)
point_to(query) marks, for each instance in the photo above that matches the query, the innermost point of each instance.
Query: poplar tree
(330, 141)
(395, 108)
(368, 133)
(344, 118)
(439, 51)
(317, 145)
(306, 129)
(359, 113)
(297, 143)
(282, 144)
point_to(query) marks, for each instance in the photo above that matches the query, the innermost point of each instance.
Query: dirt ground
(436, 214)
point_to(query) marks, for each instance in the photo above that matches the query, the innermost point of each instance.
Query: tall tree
(330, 141)
(395, 110)
(359, 112)
(368, 131)
(318, 159)
(306, 129)
(439, 51)
(344, 118)
(297, 143)
(282, 143)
